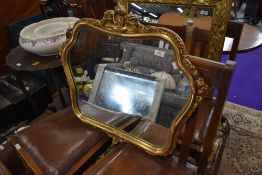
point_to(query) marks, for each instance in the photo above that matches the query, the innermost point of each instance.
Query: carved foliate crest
(117, 20)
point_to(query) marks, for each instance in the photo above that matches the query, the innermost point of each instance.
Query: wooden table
(251, 38)
(177, 19)
(20, 60)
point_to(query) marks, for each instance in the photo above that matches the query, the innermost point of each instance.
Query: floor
(245, 87)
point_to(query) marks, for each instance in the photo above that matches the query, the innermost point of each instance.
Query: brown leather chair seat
(129, 160)
(54, 144)
(61, 143)
(151, 132)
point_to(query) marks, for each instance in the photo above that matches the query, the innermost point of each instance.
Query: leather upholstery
(129, 160)
(151, 132)
(58, 141)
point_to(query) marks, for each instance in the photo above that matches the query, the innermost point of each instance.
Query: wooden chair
(206, 135)
(62, 144)
(127, 159)
(201, 37)
(234, 30)
(199, 42)
(59, 8)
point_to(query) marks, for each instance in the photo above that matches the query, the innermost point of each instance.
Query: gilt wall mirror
(159, 86)
(210, 15)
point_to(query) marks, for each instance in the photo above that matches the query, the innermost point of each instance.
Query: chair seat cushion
(151, 132)
(129, 160)
(57, 142)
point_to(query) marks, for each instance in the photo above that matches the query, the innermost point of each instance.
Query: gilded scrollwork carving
(115, 138)
(181, 2)
(218, 29)
(116, 20)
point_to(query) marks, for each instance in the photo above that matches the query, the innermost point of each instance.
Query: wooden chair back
(218, 76)
(201, 37)
(199, 42)
(234, 30)
(180, 30)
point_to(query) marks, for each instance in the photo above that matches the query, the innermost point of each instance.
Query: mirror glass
(182, 17)
(133, 76)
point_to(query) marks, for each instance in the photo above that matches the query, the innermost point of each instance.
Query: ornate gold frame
(117, 23)
(221, 14)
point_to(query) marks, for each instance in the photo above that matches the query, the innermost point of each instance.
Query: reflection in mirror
(176, 18)
(132, 77)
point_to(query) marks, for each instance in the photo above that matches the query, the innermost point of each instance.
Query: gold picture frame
(221, 14)
(117, 23)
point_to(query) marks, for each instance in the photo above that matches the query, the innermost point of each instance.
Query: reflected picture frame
(142, 103)
(221, 15)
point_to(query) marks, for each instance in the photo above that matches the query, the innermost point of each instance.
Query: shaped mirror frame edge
(221, 14)
(117, 23)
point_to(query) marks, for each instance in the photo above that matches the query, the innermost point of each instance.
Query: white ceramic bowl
(45, 37)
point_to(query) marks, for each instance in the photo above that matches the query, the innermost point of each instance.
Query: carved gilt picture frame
(221, 14)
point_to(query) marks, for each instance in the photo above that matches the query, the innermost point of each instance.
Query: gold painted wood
(118, 23)
(221, 14)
